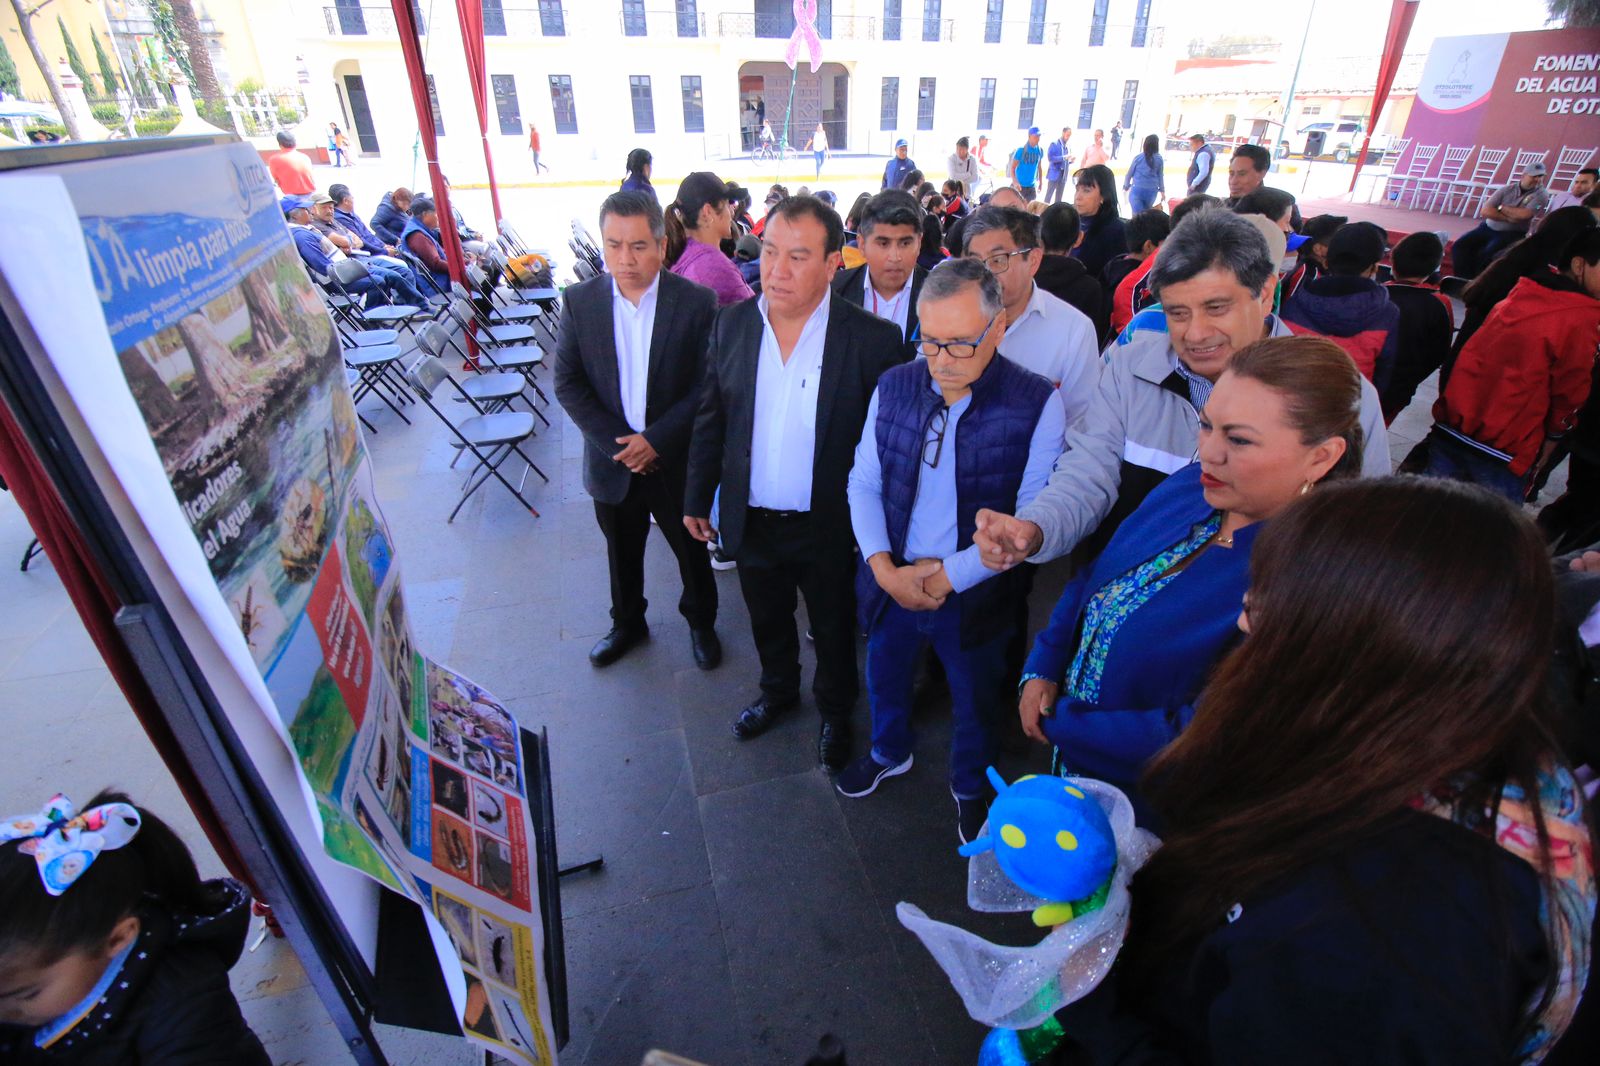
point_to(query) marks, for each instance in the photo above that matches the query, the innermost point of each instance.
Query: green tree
(25, 16)
(74, 60)
(10, 80)
(108, 71)
(1575, 13)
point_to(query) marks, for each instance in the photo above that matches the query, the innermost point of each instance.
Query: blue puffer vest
(992, 442)
(413, 226)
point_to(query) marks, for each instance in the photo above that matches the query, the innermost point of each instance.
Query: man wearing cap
(1348, 306)
(901, 164)
(1060, 163)
(394, 273)
(319, 254)
(1506, 218)
(1023, 170)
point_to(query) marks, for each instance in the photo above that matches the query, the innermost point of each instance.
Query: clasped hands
(1004, 540)
(637, 454)
(919, 586)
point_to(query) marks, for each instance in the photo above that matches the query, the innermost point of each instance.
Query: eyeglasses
(937, 426)
(958, 349)
(999, 262)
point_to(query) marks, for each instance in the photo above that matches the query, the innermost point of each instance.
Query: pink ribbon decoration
(805, 32)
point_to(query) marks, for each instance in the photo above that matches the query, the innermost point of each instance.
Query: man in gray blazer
(628, 368)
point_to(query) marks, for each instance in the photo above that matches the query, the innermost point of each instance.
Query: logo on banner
(252, 185)
(1461, 71)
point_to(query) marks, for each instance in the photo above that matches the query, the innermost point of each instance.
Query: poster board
(198, 373)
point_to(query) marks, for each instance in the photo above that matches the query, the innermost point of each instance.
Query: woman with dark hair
(931, 253)
(1372, 851)
(1095, 197)
(1146, 179)
(638, 179)
(697, 223)
(852, 219)
(1114, 674)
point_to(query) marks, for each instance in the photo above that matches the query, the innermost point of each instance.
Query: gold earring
(1306, 487)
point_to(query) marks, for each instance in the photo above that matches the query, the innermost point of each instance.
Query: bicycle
(770, 151)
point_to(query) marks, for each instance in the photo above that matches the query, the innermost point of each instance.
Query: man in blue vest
(944, 434)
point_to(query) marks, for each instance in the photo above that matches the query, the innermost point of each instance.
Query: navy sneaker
(971, 813)
(861, 777)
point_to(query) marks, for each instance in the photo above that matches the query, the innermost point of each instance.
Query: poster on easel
(212, 332)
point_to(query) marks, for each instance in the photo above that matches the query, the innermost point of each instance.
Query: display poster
(415, 773)
(1536, 91)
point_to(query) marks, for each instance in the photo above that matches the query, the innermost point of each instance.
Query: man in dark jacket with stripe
(1348, 306)
(946, 435)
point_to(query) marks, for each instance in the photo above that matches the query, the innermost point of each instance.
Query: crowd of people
(1272, 645)
(1374, 806)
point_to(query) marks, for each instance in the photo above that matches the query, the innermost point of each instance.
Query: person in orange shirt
(291, 169)
(533, 146)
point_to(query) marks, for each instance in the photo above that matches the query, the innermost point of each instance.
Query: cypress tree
(74, 60)
(10, 80)
(108, 72)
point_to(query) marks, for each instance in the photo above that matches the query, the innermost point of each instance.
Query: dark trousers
(626, 526)
(1573, 521)
(1054, 188)
(783, 554)
(1472, 251)
(897, 640)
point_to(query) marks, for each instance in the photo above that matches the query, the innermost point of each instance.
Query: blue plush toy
(1052, 841)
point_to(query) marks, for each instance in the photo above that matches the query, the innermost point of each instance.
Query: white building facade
(682, 77)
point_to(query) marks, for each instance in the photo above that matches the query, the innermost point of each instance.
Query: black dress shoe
(615, 644)
(707, 648)
(758, 718)
(833, 745)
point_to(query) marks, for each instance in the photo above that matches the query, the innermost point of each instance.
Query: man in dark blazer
(628, 366)
(889, 236)
(788, 378)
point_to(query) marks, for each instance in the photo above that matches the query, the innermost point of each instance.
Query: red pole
(417, 75)
(1401, 15)
(470, 14)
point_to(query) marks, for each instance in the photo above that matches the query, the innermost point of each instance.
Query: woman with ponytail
(112, 950)
(698, 221)
(1372, 851)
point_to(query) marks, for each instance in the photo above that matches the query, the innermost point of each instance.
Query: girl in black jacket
(1372, 851)
(112, 950)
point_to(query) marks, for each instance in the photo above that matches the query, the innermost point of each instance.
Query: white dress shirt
(895, 308)
(634, 327)
(1056, 340)
(783, 439)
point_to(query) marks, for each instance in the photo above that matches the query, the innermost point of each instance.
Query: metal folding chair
(491, 390)
(374, 366)
(491, 438)
(524, 359)
(347, 272)
(496, 313)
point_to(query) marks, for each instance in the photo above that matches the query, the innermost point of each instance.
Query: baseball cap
(320, 198)
(747, 247)
(1033, 131)
(1295, 240)
(289, 204)
(1356, 248)
(702, 187)
(1536, 169)
(902, 143)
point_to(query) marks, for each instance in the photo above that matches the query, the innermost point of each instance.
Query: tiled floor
(744, 909)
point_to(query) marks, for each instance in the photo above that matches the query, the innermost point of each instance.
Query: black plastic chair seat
(505, 427)
(372, 355)
(494, 387)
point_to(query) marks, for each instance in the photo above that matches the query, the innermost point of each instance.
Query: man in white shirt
(787, 382)
(1044, 334)
(628, 367)
(889, 237)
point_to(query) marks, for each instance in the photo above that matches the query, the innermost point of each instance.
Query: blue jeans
(1142, 198)
(818, 156)
(1448, 457)
(398, 282)
(893, 646)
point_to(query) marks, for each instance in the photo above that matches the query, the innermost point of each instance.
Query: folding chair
(523, 359)
(374, 365)
(491, 438)
(1421, 159)
(467, 314)
(352, 377)
(1478, 185)
(426, 284)
(497, 314)
(1455, 160)
(347, 272)
(1379, 172)
(492, 391)
(510, 239)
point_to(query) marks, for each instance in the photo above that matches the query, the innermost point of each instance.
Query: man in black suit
(628, 368)
(888, 283)
(788, 378)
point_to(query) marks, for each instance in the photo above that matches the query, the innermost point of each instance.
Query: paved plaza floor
(745, 909)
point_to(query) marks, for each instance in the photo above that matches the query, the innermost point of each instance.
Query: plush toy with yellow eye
(1052, 841)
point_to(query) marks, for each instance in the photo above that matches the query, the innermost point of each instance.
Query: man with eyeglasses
(1043, 333)
(961, 429)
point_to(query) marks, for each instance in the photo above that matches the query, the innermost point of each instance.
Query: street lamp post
(1288, 99)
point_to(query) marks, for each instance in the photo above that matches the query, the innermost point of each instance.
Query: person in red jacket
(1348, 306)
(1519, 383)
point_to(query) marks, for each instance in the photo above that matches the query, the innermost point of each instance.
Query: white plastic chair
(1478, 185)
(1455, 160)
(1421, 159)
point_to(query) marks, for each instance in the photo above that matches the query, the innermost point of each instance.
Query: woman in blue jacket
(1114, 675)
(1146, 179)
